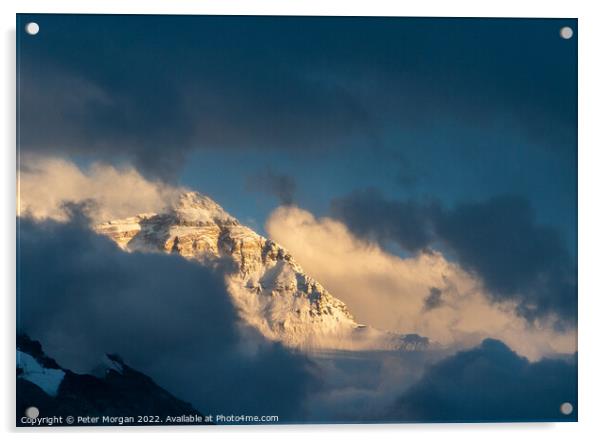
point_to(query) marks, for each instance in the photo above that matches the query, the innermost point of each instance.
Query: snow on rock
(270, 290)
(113, 363)
(47, 379)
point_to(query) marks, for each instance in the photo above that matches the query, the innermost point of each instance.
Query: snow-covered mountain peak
(270, 290)
(193, 208)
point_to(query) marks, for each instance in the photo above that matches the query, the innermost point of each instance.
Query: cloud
(498, 240)
(371, 216)
(491, 383)
(517, 258)
(46, 184)
(359, 386)
(389, 292)
(279, 185)
(153, 115)
(433, 300)
(281, 83)
(65, 112)
(82, 297)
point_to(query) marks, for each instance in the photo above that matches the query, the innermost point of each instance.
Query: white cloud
(389, 292)
(45, 184)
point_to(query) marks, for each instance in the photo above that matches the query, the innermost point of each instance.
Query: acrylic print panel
(268, 220)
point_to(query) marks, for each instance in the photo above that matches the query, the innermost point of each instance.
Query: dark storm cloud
(152, 88)
(274, 184)
(172, 319)
(119, 91)
(368, 214)
(497, 239)
(434, 299)
(517, 258)
(491, 383)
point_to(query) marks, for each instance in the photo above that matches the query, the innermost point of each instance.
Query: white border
(590, 219)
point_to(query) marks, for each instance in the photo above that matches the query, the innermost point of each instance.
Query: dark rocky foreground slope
(118, 396)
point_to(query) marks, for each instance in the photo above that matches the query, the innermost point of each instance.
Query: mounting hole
(566, 408)
(32, 412)
(566, 32)
(32, 28)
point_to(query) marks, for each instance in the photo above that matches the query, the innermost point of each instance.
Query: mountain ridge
(268, 287)
(115, 392)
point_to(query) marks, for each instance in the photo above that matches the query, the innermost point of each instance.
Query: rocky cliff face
(270, 290)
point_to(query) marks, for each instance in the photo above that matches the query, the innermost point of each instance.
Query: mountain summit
(270, 290)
